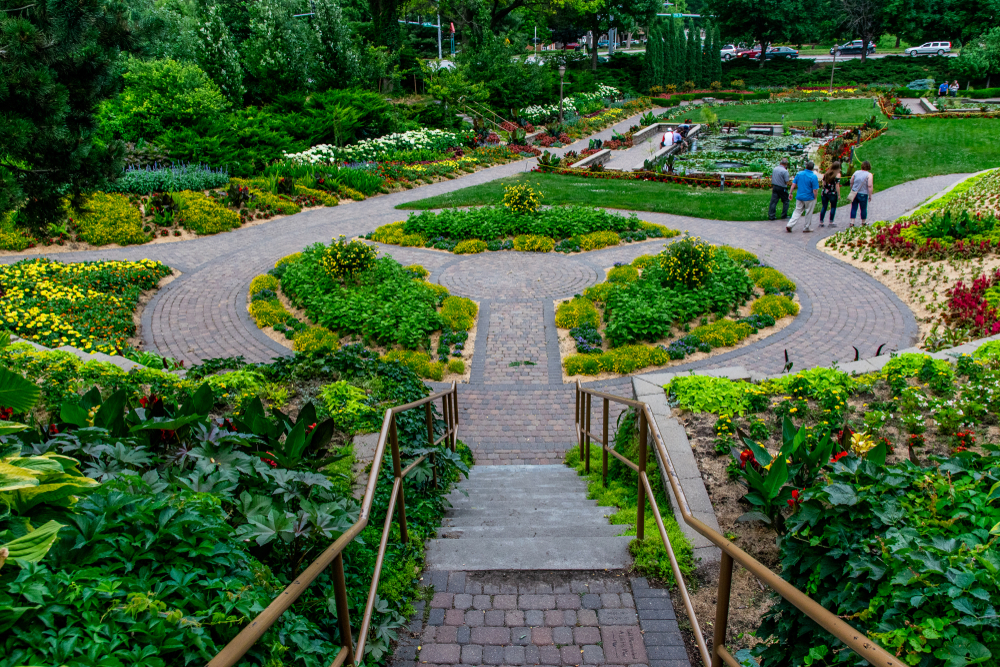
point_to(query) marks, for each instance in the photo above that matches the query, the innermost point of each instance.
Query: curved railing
(862, 645)
(247, 637)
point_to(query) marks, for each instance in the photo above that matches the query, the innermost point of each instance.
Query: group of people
(808, 186)
(946, 89)
(677, 136)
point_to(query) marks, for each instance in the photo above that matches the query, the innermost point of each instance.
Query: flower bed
(90, 305)
(566, 228)
(179, 499)
(940, 260)
(667, 299)
(864, 481)
(374, 149)
(696, 181)
(839, 147)
(326, 296)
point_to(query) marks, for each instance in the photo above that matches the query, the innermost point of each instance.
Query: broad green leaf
(13, 477)
(202, 402)
(39, 464)
(753, 516)
(776, 477)
(111, 414)
(32, 547)
(994, 493)
(57, 492)
(842, 494)
(17, 392)
(165, 423)
(877, 454)
(762, 455)
(10, 615)
(962, 651)
(73, 413)
(9, 428)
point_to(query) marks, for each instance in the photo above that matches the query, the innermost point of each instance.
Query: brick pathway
(521, 413)
(542, 618)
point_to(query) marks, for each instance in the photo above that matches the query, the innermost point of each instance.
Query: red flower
(310, 427)
(838, 456)
(5, 413)
(745, 457)
(268, 461)
(795, 500)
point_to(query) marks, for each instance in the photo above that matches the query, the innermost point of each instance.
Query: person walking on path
(779, 190)
(862, 189)
(831, 193)
(953, 88)
(807, 184)
(943, 89)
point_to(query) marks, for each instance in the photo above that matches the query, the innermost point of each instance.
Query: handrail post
(586, 435)
(640, 522)
(430, 441)
(343, 614)
(722, 607)
(454, 404)
(397, 472)
(579, 422)
(604, 449)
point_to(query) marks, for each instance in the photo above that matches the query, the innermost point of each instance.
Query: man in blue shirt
(807, 183)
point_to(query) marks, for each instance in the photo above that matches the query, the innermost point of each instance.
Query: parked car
(728, 52)
(602, 43)
(783, 52)
(572, 45)
(852, 48)
(753, 52)
(930, 49)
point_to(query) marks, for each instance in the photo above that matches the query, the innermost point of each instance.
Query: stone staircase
(526, 517)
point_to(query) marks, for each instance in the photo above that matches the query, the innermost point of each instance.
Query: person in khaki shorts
(807, 183)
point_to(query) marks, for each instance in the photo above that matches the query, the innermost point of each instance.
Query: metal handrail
(333, 554)
(472, 108)
(731, 553)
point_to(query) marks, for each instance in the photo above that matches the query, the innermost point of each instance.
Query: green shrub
(689, 261)
(417, 270)
(203, 215)
(456, 366)
(316, 339)
(642, 261)
(391, 233)
(348, 406)
(576, 312)
(343, 259)
(988, 350)
(533, 243)
(582, 364)
(263, 282)
(268, 313)
(324, 197)
(12, 238)
(110, 218)
(701, 393)
(624, 360)
(470, 247)
(771, 280)
(599, 293)
(419, 362)
(294, 257)
(459, 313)
(739, 255)
(493, 222)
(774, 305)
(623, 274)
(722, 333)
(521, 199)
(597, 240)
(160, 94)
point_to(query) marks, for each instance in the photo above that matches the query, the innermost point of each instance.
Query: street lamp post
(562, 74)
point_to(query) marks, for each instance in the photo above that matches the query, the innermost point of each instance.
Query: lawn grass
(628, 195)
(916, 148)
(837, 111)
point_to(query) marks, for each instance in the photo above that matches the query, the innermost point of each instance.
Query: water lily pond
(741, 153)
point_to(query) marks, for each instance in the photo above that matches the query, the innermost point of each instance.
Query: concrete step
(524, 504)
(517, 473)
(571, 487)
(527, 553)
(534, 517)
(542, 532)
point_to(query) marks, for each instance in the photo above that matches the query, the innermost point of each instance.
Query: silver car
(930, 49)
(728, 51)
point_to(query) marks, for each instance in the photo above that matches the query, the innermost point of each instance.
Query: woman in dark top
(831, 192)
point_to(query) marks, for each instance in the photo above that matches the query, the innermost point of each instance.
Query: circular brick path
(521, 413)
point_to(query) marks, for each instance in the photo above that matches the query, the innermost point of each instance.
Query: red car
(749, 53)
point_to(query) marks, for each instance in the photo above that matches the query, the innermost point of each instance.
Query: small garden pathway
(521, 412)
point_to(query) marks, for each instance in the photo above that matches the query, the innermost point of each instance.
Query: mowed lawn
(733, 204)
(836, 111)
(922, 147)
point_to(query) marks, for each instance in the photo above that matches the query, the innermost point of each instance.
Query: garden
(941, 260)
(875, 493)
(686, 303)
(335, 295)
(520, 223)
(150, 516)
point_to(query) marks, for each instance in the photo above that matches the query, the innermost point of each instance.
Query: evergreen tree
(217, 54)
(716, 60)
(652, 64)
(276, 53)
(337, 60)
(692, 54)
(59, 60)
(677, 65)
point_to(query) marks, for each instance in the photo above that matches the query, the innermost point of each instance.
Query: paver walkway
(542, 618)
(520, 413)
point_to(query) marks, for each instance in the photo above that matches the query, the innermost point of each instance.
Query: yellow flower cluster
(596, 240)
(521, 199)
(419, 362)
(623, 274)
(469, 247)
(689, 261)
(775, 305)
(204, 215)
(316, 339)
(625, 359)
(459, 313)
(722, 333)
(394, 234)
(577, 311)
(87, 305)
